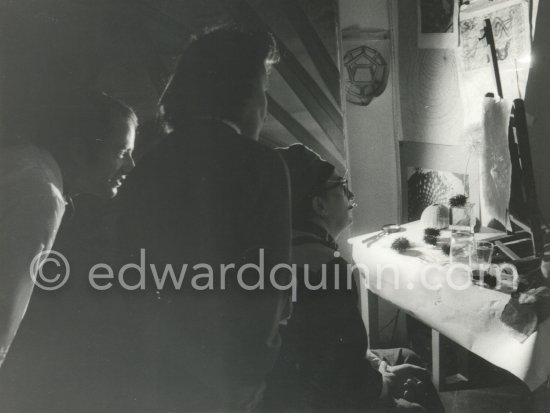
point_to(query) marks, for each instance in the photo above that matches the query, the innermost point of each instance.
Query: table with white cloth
(419, 282)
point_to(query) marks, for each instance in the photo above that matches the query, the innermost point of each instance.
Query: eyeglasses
(342, 182)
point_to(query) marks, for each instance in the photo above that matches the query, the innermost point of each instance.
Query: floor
(505, 399)
(489, 390)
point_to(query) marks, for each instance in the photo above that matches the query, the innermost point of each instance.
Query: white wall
(371, 135)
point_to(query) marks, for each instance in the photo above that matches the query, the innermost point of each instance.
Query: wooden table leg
(438, 376)
(371, 319)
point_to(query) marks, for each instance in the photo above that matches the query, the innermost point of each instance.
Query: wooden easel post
(488, 35)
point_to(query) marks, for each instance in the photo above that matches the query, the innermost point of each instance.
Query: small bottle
(462, 218)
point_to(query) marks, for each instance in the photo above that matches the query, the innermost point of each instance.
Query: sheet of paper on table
(418, 283)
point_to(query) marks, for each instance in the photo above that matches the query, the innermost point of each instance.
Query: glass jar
(462, 247)
(462, 218)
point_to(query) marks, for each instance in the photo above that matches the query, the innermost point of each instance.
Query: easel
(523, 208)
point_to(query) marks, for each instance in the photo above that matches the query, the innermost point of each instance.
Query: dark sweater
(203, 195)
(210, 196)
(322, 364)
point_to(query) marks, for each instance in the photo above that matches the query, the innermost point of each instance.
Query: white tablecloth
(446, 300)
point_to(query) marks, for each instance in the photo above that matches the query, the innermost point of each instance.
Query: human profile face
(103, 175)
(338, 204)
(255, 109)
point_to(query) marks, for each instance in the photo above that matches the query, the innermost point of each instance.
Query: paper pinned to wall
(510, 22)
(495, 166)
(367, 55)
(437, 24)
(511, 29)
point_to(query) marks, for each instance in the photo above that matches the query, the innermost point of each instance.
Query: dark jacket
(204, 195)
(322, 364)
(209, 197)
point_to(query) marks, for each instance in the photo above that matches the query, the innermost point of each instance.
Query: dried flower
(458, 201)
(430, 239)
(401, 244)
(434, 232)
(484, 278)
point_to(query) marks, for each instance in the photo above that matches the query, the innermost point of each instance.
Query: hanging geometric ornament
(366, 75)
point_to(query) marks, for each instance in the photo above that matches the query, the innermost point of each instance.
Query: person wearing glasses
(80, 146)
(323, 364)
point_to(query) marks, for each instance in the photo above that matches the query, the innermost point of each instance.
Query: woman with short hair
(82, 145)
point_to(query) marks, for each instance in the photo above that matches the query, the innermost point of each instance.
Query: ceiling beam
(327, 115)
(315, 47)
(300, 133)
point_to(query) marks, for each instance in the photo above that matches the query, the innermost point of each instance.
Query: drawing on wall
(510, 29)
(366, 75)
(366, 63)
(436, 16)
(437, 24)
(428, 186)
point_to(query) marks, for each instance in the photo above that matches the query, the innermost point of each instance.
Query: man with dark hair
(222, 75)
(207, 196)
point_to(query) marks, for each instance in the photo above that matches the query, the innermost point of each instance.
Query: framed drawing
(432, 173)
(438, 24)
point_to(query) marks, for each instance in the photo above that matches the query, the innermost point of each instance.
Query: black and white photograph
(438, 23)
(274, 206)
(437, 16)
